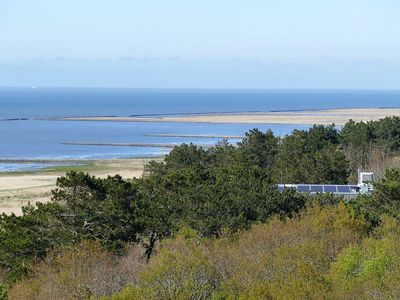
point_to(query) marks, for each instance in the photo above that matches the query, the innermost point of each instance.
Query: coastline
(303, 117)
(198, 136)
(20, 188)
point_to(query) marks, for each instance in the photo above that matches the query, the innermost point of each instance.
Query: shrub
(370, 269)
(81, 272)
(287, 258)
(181, 269)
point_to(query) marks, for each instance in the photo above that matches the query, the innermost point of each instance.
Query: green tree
(259, 149)
(3, 292)
(311, 156)
(27, 238)
(369, 270)
(100, 209)
(385, 199)
(289, 258)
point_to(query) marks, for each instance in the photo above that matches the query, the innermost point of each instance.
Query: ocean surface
(22, 136)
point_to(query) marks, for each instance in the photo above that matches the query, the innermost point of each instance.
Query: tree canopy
(212, 223)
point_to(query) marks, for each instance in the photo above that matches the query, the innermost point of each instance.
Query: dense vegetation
(225, 230)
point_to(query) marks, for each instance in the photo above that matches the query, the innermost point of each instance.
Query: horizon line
(33, 87)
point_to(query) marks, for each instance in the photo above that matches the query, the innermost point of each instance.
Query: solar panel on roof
(343, 189)
(330, 189)
(303, 188)
(317, 189)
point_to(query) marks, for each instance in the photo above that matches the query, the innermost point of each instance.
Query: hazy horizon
(216, 89)
(224, 45)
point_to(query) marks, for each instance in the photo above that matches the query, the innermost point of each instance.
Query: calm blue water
(19, 103)
(43, 139)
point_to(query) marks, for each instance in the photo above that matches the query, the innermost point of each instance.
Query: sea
(28, 132)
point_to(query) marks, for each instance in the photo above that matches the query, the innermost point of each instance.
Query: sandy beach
(323, 117)
(18, 189)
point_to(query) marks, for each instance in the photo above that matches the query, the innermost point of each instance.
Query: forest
(211, 224)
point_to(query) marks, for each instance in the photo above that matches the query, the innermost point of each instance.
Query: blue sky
(208, 43)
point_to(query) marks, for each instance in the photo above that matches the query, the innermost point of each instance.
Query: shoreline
(303, 117)
(20, 188)
(72, 160)
(202, 136)
(144, 145)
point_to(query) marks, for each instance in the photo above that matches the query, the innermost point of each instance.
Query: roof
(322, 188)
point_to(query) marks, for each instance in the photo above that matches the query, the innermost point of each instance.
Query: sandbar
(306, 117)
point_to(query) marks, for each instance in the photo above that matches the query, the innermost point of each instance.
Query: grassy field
(20, 188)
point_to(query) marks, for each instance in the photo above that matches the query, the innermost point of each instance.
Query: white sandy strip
(324, 117)
(17, 190)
